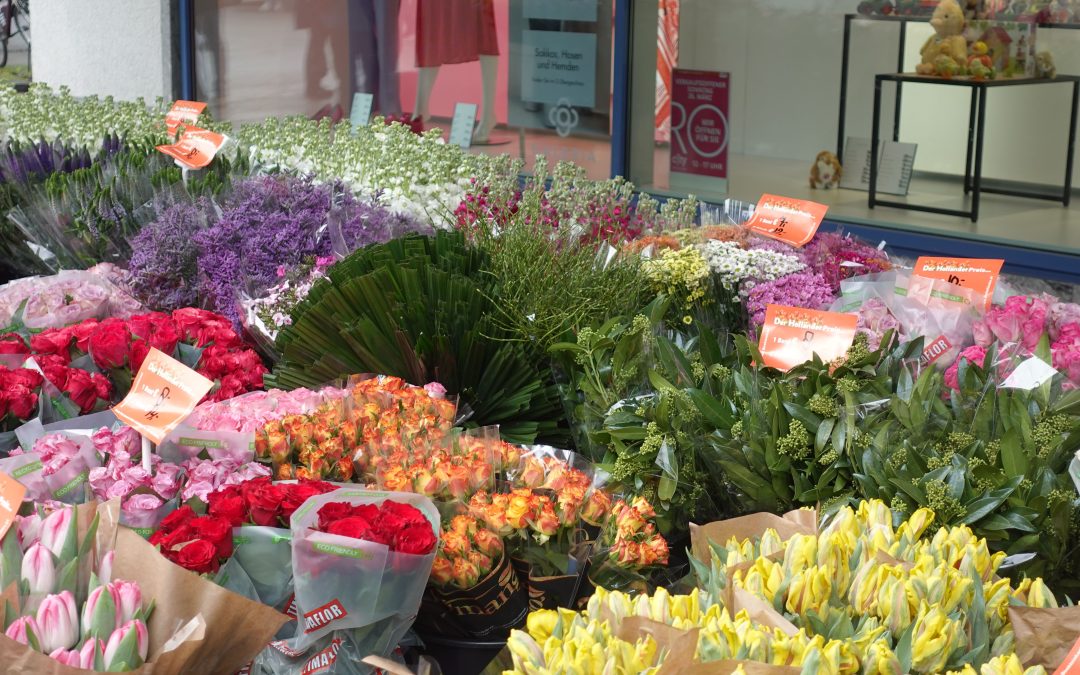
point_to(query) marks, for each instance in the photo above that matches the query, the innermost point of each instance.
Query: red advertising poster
(699, 122)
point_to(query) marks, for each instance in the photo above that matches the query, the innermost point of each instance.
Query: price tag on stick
(978, 274)
(11, 497)
(792, 221)
(361, 109)
(163, 394)
(183, 112)
(196, 148)
(461, 127)
(791, 336)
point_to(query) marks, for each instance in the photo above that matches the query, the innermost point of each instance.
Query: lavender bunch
(164, 257)
(271, 221)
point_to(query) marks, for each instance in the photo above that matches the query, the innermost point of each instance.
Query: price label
(792, 221)
(792, 336)
(163, 394)
(11, 497)
(461, 128)
(361, 109)
(183, 112)
(978, 274)
(196, 148)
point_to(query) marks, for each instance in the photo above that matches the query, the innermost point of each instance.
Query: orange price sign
(1071, 664)
(196, 147)
(11, 497)
(183, 112)
(792, 221)
(977, 274)
(163, 394)
(791, 336)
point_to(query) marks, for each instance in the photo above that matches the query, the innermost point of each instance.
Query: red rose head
(229, 507)
(199, 556)
(12, 343)
(217, 531)
(356, 527)
(82, 390)
(54, 341)
(415, 539)
(176, 519)
(108, 345)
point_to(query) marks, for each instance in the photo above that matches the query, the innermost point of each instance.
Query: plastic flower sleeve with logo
(342, 582)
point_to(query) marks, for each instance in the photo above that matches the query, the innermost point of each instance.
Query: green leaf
(1013, 459)
(658, 381)
(903, 649)
(1007, 521)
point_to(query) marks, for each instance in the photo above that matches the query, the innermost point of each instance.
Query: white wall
(784, 57)
(121, 48)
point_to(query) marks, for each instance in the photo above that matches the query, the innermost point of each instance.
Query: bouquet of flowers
(20, 396)
(56, 468)
(360, 563)
(60, 300)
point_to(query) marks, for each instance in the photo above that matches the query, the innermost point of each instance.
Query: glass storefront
(539, 71)
(748, 94)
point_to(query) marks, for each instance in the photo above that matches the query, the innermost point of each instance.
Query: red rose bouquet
(202, 543)
(361, 561)
(20, 392)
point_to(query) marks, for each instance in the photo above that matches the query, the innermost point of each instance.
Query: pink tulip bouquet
(97, 623)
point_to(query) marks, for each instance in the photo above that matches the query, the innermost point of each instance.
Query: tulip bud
(58, 622)
(526, 652)
(1040, 596)
(105, 567)
(128, 599)
(101, 613)
(68, 658)
(29, 530)
(89, 650)
(23, 630)
(127, 646)
(39, 569)
(55, 530)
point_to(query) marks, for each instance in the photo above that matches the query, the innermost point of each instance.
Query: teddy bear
(826, 171)
(945, 52)
(1044, 66)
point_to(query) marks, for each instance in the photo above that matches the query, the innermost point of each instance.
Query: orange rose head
(395, 478)
(546, 522)
(445, 409)
(532, 472)
(481, 475)
(457, 481)
(494, 516)
(463, 525)
(305, 473)
(279, 447)
(520, 510)
(482, 562)
(507, 454)
(345, 469)
(655, 551)
(464, 573)
(642, 506)
(319, 466)
(627, 519)
(285, 472)
(322, 433)
(442, 570)
(425, 483)
(488, 543)
(557, 476)
(455, 544)
(570, 499)
(596, 508)
(262, 444)
(624, 553)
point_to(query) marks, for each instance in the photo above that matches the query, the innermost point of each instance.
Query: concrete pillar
(120, 48)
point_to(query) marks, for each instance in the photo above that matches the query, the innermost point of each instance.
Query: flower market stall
(462, 419)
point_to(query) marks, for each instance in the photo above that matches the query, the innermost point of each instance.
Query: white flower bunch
(420, 175)
(738, 268)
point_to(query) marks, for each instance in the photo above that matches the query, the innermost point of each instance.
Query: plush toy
(826, 172)
(1044, 66)
(980, 66)
(945, 52)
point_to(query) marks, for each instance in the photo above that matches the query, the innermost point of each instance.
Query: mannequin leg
(489, 70)
(386, 21)
(424, 84)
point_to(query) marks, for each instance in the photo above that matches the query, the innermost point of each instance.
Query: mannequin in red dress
(457, 31)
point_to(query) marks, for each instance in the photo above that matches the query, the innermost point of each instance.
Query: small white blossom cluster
(43, 113)
(420, 175)
(740, 269)
(272, 311)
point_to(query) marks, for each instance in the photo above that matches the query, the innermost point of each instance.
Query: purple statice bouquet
(164, 258)
(802, 289)
(274, 221)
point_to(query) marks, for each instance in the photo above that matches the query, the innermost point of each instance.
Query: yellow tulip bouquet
(859, 596)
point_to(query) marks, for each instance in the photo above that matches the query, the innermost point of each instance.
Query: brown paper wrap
(1044, 636)
(749, 527)
(726, 667)
(196, 627)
